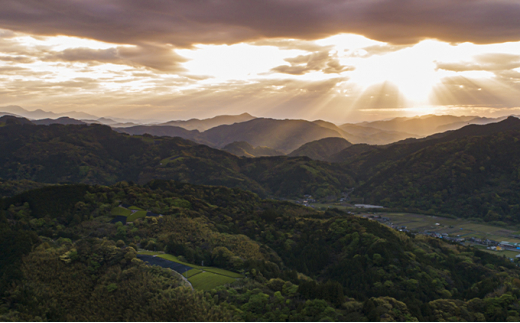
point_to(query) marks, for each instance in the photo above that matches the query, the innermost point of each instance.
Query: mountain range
(67, 255)
(458, 172)
(428, 124)
(40, 114)
(205, 124)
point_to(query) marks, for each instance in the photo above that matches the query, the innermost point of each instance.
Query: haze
(342, 61)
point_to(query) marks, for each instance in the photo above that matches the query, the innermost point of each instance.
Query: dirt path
(185, 279)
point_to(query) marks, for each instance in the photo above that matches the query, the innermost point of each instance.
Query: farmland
(131, 213)
(453, 227)
(203, 278)
(120, 211)
(208, 280)
(136, 215)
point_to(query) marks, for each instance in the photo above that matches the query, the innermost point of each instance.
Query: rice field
(202, 278)
(453, 227)
(120, 211)
(136, 215)
(207, 280)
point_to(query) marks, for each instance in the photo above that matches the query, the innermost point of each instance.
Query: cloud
(16, 59)
(492, 62)
(156, 57)
(183, 23)
(6, 33)
(376, 50)
(319, 61)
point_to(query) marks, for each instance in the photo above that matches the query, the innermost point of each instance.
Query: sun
(412, 70)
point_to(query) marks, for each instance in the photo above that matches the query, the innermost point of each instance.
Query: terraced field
(136, 215)
(120, 211)
(203, 278)
(207, 280)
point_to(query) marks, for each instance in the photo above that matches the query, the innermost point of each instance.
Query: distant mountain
(160, 131)
(321, 149)
(205, 124)
(283, 135)
(9, 114)
(62, 120)
(367, 135)
(477, 120)
(242, 148)
(374, 136)
(124, 125)
(40, 114)
(105, 121)
(421, 126)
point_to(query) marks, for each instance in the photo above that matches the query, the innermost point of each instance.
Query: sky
(336, 60)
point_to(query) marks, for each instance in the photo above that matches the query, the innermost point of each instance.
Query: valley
(245, 234)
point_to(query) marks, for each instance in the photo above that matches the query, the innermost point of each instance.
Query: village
(488, 244)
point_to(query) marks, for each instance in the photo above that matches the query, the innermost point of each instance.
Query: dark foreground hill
(471, 172)
(62, 120)
(8, 120)
(64, 261)
(96, 154)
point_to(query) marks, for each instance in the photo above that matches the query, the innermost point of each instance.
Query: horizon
(345, 62)
(159, 121)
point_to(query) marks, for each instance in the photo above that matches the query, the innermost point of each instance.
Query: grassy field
(223, 272)
(204, 278)
(192, 272)
(136, 215)
(135, 208)
(120, 211)
(207, 280)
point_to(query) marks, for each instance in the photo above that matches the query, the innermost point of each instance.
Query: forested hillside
(96, 154)
(472, 172)
(321, 149)
(242, 148)
(300, 264)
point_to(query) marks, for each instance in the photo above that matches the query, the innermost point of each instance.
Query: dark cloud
(319, 61)
(305, 45)
(492, 62)
(6, 33)
(156, 57)
(183, 23)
